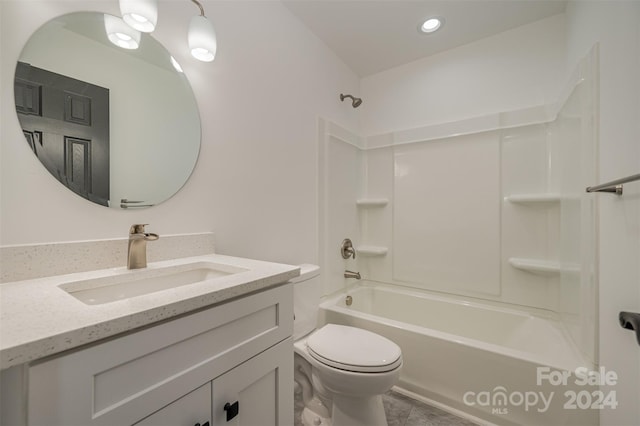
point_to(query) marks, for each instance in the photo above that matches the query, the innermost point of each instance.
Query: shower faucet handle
(347, 250)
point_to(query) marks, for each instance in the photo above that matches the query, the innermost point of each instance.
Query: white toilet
(342, 371)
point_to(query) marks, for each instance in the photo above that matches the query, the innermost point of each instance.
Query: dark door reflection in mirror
(72, 128)
(117, 127)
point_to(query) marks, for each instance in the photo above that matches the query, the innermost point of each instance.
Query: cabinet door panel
(262, 387)
(191, 409)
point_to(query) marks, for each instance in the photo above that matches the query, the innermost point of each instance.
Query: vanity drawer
(122, 380)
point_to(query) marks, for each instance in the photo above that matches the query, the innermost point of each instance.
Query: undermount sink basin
(137, 282)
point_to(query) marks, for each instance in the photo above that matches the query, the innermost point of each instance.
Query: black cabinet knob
(204, 424)
(232, 410)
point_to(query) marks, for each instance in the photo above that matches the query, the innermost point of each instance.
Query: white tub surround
(491, 207)
(39, 318)
(457, 351)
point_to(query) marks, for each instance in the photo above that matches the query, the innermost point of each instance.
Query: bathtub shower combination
(476, 244)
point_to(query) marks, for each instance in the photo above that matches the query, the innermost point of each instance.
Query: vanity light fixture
(431, 25)
(140, 14)
(202, 37)
(121, 34)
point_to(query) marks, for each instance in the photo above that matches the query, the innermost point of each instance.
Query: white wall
(511, 70)
(619, 156)
(255, 180)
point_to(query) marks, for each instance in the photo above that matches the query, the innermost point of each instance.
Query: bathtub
(500, 365)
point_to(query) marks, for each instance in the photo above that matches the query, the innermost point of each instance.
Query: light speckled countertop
(37, 318)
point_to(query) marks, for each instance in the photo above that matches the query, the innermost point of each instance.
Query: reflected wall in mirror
(117, 126)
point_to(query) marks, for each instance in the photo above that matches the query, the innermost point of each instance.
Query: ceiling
(374, 35)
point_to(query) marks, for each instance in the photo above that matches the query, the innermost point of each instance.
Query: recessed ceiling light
(431, 25)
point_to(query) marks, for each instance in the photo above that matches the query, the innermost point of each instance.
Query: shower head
(355, 102)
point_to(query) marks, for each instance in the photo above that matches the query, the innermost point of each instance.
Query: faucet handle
(137, 228)
(347, 250)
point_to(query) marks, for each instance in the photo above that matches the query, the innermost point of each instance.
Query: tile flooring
(404, 411)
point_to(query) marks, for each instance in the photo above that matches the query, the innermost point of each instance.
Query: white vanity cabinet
(180, 372)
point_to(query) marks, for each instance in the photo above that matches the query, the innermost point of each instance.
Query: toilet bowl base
(368, 411)
(358, 411)
(311, 418)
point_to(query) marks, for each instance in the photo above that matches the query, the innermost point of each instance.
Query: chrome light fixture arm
(200, 6)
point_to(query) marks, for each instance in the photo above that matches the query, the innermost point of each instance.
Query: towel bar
(615, 186)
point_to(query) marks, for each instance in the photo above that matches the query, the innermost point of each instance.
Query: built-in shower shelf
(533, 198)
(535, 265)
(372, 251)
(540, 266)
(367, 203)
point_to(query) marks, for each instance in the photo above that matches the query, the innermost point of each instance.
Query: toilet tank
(307, 290)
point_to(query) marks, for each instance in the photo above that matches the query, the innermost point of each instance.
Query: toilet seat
(354, 349)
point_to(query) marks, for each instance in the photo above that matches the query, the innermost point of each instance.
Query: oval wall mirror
(115, 124)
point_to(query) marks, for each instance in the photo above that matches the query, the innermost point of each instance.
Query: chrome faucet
(137, 253)
(351, 274)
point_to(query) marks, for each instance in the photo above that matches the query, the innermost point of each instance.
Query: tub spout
(351, 274)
